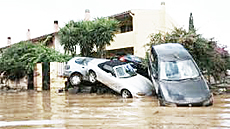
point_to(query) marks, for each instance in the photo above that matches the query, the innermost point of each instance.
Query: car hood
(187, 91)
(137, 83)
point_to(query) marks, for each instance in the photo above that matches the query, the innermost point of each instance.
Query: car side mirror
(135, 70)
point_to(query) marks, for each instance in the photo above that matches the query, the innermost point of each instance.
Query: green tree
(19, 59)
(103, 33)
(69, 38)
(87, 34)
(191, 24)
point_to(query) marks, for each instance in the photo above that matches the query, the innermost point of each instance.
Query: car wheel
(75, 79)
(92, 77)
(126, 94)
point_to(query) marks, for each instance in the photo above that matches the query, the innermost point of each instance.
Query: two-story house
(135, 28)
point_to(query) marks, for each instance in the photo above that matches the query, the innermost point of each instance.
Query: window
(126, 22)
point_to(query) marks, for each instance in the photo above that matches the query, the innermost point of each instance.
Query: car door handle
(83, 67)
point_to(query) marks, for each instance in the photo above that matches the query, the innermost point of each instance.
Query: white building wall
(145, 22)
(122, 40)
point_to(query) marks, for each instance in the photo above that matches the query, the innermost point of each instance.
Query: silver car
(121, 77)
(76, 70)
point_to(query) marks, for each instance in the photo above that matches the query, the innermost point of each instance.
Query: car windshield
(178, 70)
(124, 71)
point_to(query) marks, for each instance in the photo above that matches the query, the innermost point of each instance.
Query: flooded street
(62, 110)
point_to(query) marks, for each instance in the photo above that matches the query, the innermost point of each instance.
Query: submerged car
(121, 77)
(176, 77)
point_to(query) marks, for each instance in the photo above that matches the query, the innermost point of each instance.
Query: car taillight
(122, 59)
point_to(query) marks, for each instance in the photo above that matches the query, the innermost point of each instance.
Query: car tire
(92, 77)
(75, 79)
(126, 94)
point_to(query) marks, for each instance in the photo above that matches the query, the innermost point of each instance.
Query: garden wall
(56, 79)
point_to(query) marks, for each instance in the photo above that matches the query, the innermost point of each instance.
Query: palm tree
(104, 32)
(88, 34)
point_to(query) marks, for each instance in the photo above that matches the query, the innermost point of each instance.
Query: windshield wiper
(191, 78)
(168, 79)
(177, 79)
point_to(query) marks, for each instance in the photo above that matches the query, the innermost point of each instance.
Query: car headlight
(140, 94)
(67, 67)
(209, 101)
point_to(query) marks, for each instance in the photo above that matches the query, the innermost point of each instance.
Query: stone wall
(38, 77)
(57, 81)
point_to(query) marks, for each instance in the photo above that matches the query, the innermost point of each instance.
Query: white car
(121, 77)
(76, 70)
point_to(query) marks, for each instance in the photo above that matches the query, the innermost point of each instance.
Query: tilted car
(121, 77)
(176, 77)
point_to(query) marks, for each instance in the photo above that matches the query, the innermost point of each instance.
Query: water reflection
(51, 110)
(30, 122)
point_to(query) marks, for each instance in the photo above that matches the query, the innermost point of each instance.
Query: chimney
(87, 15)
(28, 34)
(8, 41)
(163, 6)
(56, 27)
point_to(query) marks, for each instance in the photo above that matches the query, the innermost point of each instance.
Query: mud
(32, 109)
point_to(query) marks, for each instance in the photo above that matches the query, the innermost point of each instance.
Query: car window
(79, 61)
(86, 61)
(124, 71)
(133, 58)
(108, 68)
(120, 71)
(83, 61)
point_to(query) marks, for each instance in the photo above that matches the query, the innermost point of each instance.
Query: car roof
(77, 57)
(114, 63)
(96, 61)
(171, 52)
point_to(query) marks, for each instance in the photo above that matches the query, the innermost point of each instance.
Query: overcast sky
(211, 17)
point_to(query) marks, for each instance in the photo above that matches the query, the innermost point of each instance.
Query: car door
(108, 77)
(82, 66)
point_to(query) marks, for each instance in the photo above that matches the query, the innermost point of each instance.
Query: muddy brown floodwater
(62, 110)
